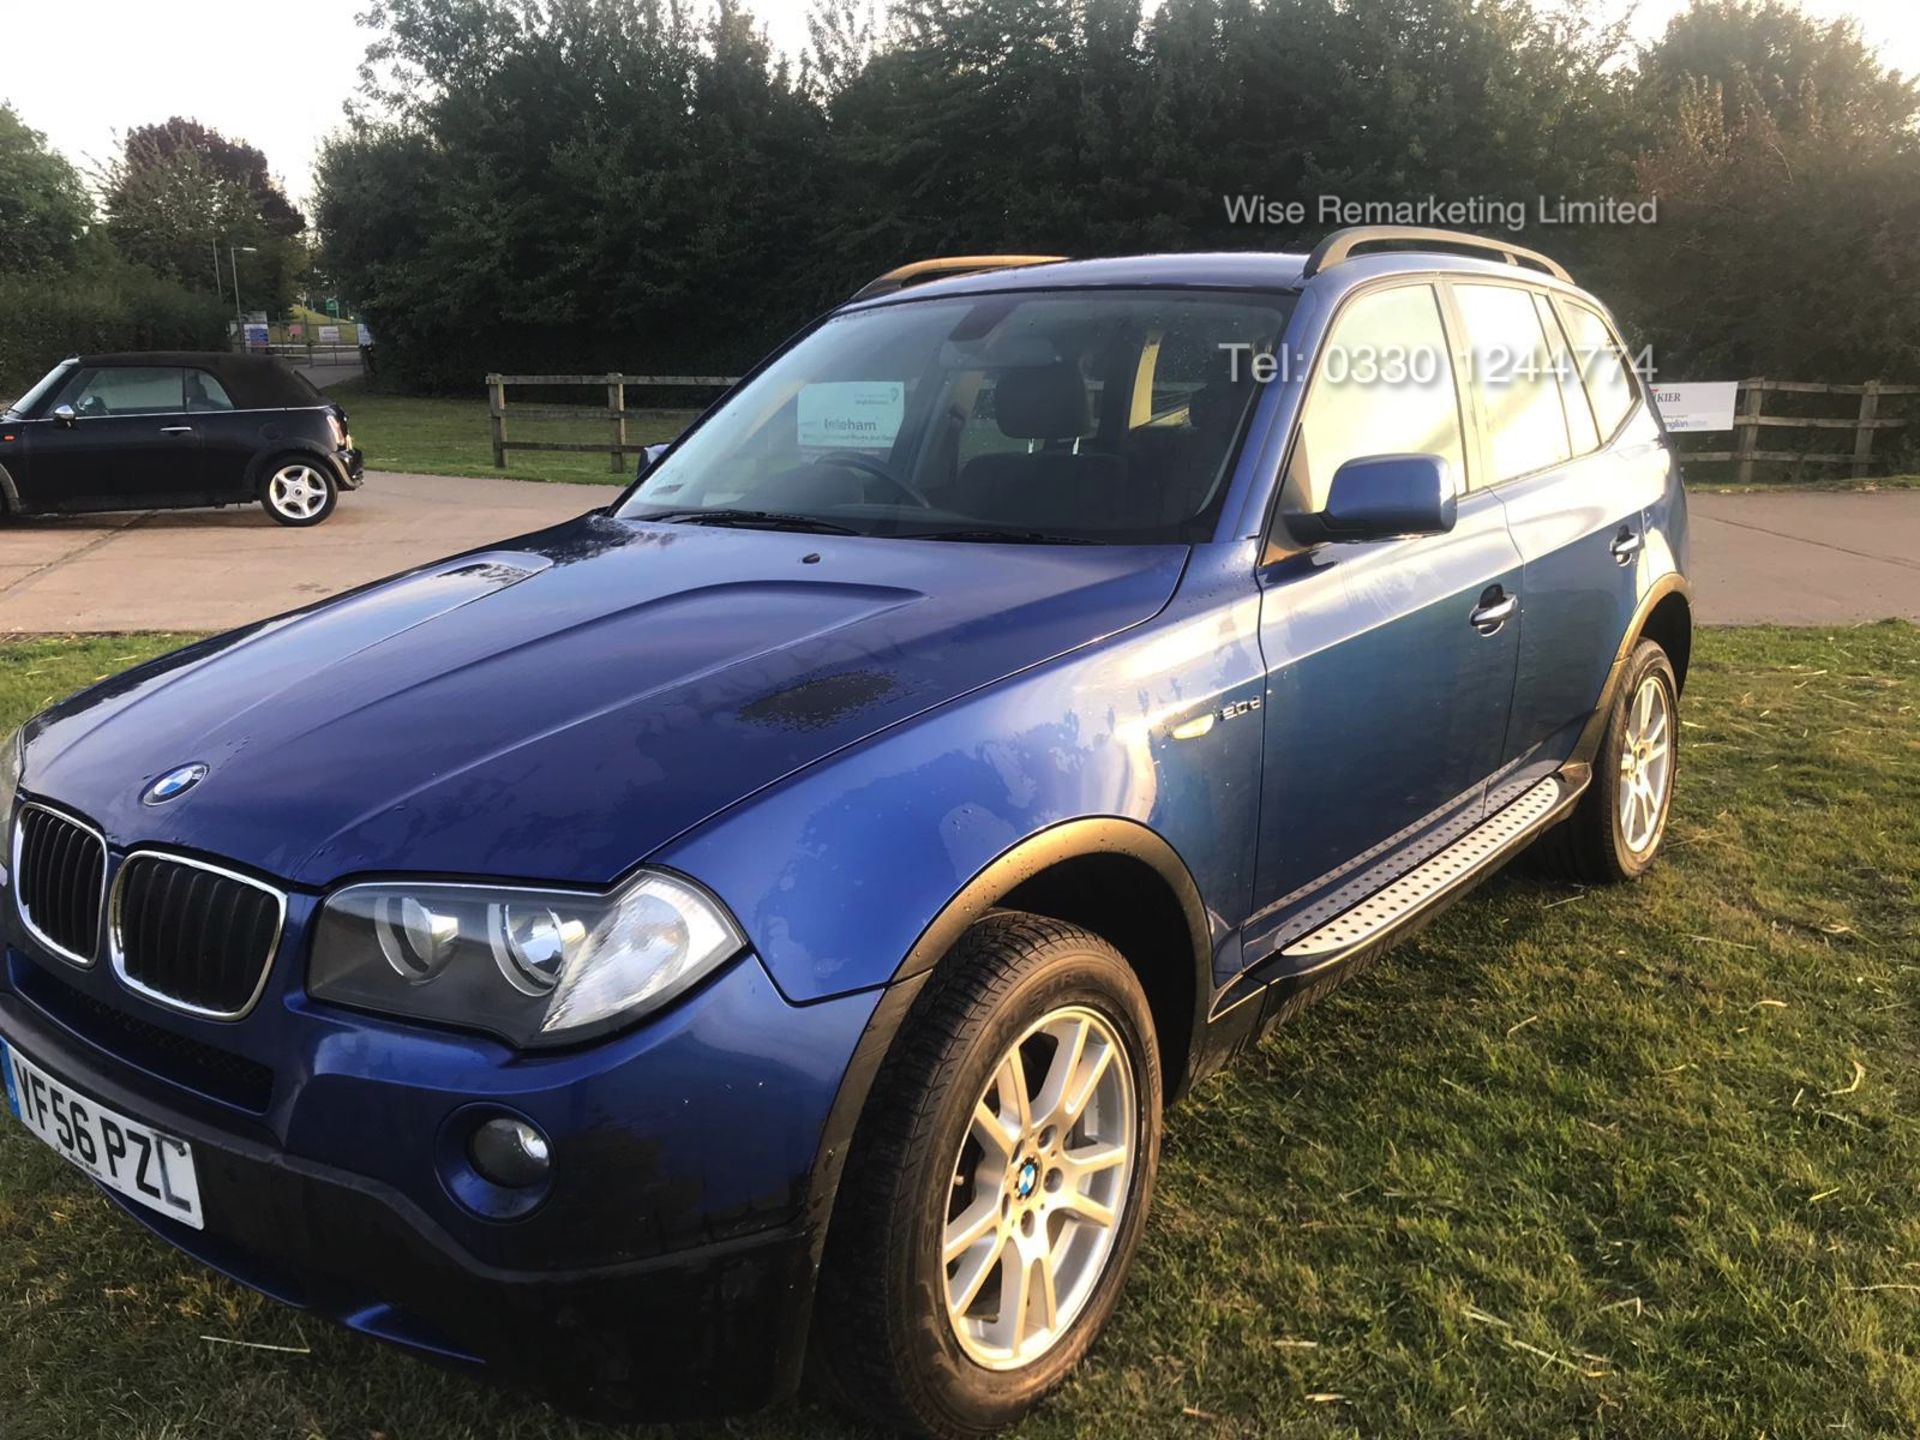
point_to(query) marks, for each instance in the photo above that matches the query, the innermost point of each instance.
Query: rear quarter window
(1602, 366)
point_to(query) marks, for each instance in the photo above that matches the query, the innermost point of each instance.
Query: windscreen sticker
(851, 414)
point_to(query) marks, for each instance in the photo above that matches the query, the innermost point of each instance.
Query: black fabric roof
(256, 382)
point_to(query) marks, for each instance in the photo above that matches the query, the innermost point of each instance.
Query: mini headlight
(537, 967)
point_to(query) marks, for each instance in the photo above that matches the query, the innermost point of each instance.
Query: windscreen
(1090, 415)
(24, 405)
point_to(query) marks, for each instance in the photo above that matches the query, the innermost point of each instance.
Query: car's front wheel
(299, 492)
(998, 1185)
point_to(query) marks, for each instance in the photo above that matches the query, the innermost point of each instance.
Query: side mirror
(63, 415)
(650, 457)
(1379, 497)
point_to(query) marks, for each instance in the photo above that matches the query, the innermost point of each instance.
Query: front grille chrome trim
(46, 941)
(117, 955)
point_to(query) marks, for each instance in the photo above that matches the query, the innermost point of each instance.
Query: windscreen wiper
(753, 520)
(998, 537)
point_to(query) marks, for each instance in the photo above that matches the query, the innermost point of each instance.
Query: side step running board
(1451, 868)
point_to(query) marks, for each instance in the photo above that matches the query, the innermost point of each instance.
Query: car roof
(1251, 270)
(1215, 270)
(255, 382)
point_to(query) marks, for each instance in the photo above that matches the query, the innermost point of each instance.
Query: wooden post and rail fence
(1752, 420)
(616, 446)
(1747, 424)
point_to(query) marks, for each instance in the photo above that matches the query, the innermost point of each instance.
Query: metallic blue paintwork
(631, 1120)
(558, 709)
(1375, 670)
(836, 748)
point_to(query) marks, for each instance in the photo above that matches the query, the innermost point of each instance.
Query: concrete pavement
(213, 569)
(1795, 558)
(1805, 557)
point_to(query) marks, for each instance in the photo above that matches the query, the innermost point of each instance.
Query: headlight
(10, 751)
(536, 967)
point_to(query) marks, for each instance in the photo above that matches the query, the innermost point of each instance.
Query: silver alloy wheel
(1039, 1188)
(297, 491)
(1646, 765)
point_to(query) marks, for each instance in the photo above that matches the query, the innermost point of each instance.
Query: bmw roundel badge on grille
(174, 784)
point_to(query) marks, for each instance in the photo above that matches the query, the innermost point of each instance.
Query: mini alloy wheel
(299, 494)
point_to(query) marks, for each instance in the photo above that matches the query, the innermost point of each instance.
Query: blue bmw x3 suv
(753, 930)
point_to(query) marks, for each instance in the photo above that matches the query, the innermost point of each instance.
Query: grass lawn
(431, 436)
(1627, 1163)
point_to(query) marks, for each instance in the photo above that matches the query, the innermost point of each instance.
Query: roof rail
(1342, 243)
(923, 270)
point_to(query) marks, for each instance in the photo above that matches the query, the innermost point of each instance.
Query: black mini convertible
(170, 430)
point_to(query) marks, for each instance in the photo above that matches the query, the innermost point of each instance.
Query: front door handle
(176, 430)
(1496, 607)
(1626, 545)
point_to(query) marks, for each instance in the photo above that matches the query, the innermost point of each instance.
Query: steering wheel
(867, 465)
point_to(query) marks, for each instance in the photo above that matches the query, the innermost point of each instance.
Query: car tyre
(298, 491)
(1614, 833)
(1022, 1002)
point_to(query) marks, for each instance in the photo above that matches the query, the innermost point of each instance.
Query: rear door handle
(1626, 545)
(176, 430)
(1496, 607)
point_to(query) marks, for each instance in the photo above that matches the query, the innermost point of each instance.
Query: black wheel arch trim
(1671, 583)
(9, 493)
(265, 463)
(1067, 840)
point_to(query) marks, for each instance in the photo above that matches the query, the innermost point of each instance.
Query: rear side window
(1601, 365)
(1513, 370)
(1383, 386)
(206, 393)
(131, 390)
(1573, 394)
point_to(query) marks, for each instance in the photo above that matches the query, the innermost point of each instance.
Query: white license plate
(146, 1165)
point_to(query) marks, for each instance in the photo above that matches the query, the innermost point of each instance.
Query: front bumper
(668, 1274)
(351, 466)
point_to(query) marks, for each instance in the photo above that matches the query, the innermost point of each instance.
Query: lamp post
(234, 265)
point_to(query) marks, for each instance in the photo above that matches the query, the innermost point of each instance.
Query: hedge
(43, 320)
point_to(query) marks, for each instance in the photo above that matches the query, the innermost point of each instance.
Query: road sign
(1707, 406)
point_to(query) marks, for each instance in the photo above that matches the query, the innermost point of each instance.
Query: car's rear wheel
(997, 1186)
(299, 492)
(1614, 833)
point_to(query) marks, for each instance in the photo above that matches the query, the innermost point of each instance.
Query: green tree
(1789, 188)
(44, 209)
(571, 182)
(181, 198)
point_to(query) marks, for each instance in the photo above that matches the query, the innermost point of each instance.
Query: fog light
(510, 1153)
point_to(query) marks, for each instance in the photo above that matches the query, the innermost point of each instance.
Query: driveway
(1793, 558)
(1801, 558)
(213, 569)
